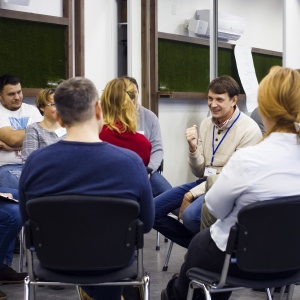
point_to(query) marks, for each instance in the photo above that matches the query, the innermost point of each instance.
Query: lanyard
(213, 138)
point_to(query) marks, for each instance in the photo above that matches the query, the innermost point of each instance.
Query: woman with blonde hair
(120, 118)
(42, 134)
(268, 170)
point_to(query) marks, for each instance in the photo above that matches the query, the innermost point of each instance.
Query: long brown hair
(118, 106)
(279, 99)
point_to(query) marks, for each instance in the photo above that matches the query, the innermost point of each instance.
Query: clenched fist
(191, 135)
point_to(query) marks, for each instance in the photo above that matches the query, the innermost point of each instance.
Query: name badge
(209, 171)
(60, 131)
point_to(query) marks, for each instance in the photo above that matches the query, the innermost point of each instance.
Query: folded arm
(12, 138)
(5, 147)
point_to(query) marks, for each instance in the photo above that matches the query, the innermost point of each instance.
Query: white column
(213, 40)
(134, 59)
(291, 35)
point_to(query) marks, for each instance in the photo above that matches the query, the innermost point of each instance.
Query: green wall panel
(184, 67)
(32, 51)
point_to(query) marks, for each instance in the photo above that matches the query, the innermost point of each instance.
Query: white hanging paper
(246, 70)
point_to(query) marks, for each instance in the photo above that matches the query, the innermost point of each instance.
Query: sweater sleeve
(196, 159)
(30, 142)
(149, 123)
(157, 152)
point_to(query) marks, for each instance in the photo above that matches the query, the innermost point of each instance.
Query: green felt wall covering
(184, 67)
(32, 51)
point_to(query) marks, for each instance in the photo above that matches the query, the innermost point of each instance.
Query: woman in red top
(120, 118)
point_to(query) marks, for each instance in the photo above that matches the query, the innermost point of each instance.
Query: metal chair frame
(264, 240)
(53, 263)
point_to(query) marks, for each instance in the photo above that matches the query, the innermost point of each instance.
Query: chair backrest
(161, 167)
(268, 238)
(83, 233)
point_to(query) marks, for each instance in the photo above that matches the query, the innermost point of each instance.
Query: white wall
(101, 41)
(134, 39)
(43, 7)
(263, 18)
(291, 40)
(175, 116)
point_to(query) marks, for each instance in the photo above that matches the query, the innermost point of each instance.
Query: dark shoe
(56, 287)
(8, 275)
(3, 296)
(164, 295)
(167, 293)
(131, 293)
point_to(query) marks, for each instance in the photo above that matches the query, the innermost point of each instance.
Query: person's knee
(191, 223)
(159, 184)
(10, 215)
(191, 218)
(187, 215)
(10, 175)
(16, 216)
(192, 213)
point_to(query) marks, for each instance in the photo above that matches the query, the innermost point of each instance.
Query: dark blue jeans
(166, 225)
(191, 216)
(10, 175)
(159, 184)
(10, 226)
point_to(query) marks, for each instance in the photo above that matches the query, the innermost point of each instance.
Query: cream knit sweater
(245, 132)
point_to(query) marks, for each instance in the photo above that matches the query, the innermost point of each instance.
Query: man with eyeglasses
(15, 116)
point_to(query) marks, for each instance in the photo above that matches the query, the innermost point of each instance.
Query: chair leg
(157, 241)
(282, 290)
(190, 292)
(29, 290)
(165, 267)
(78, 292)
(146, 287)
(290, 292)
(269, 293)
(192, 288)
(22, 250)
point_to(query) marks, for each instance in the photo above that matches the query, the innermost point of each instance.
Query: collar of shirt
(223, 125)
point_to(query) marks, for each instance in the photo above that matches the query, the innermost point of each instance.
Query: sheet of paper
(246, 70)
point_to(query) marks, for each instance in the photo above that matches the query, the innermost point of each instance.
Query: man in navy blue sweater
(83, 164)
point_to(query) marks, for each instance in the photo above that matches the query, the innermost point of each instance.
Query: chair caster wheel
(157, 248)
(165, 268)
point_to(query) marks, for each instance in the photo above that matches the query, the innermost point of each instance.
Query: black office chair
(76, 238)
(265, 240)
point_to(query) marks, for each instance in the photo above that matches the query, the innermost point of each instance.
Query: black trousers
(202, 253)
